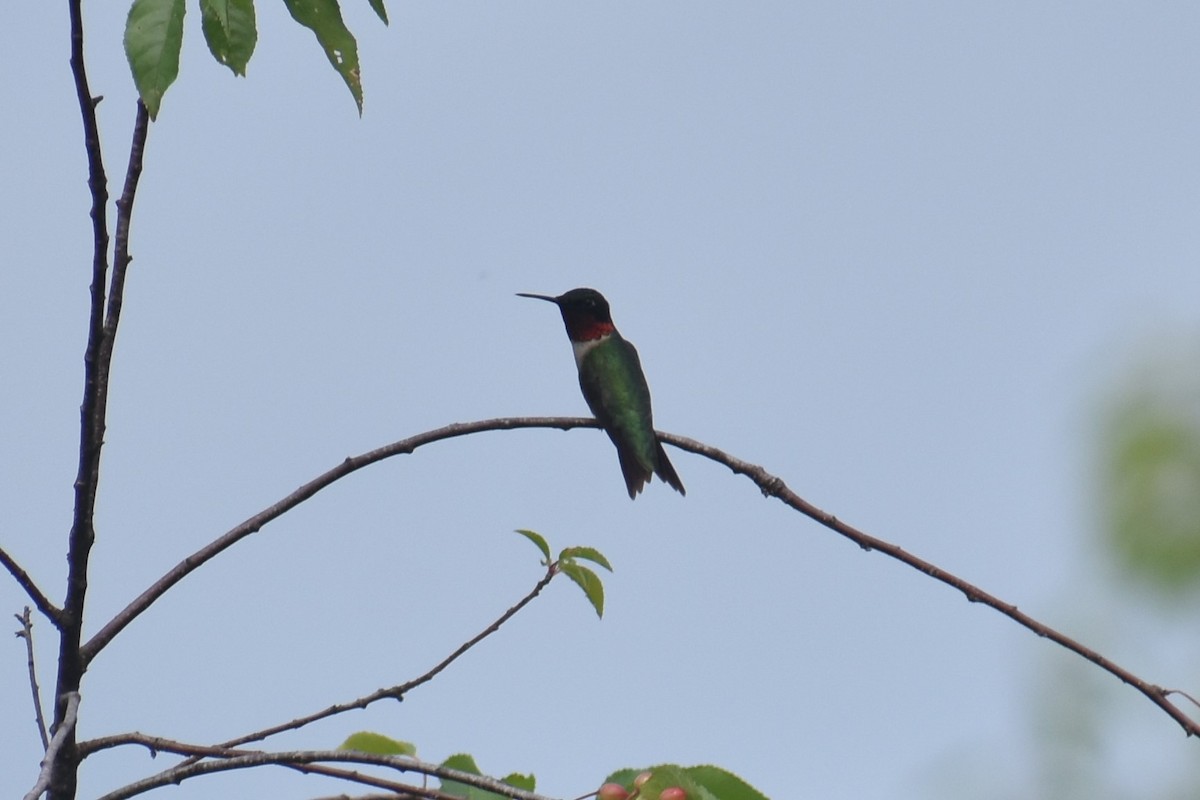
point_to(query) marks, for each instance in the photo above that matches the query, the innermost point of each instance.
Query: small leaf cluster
(154, 38)
(673, 782)
(568, 564)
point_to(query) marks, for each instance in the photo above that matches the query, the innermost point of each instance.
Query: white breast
(583, 348)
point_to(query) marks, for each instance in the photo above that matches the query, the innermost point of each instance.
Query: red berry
(673, 793)
(612, 791)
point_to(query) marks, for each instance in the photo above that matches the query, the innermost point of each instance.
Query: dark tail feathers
(636, 476)
(667, 472)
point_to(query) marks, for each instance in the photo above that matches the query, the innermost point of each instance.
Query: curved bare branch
(770, 485)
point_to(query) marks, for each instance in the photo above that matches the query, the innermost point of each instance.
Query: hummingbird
(614, 386)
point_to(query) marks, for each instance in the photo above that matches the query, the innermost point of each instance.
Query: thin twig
(256, 522)
(62, 733)
(121, 256)
(51, 611)
(399, 691)
(394, 692)
(403, 689)
(26, 633)
(771, 486)
(1183, 694)
(297, 759)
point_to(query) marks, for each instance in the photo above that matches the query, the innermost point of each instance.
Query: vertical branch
(102, 330)
(62, 778)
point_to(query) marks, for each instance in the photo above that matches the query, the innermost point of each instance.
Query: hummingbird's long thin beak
(539, 297)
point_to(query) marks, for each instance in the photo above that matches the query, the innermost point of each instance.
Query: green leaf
(587, 580)
(153, 38)
(380, 11)
(378, 744)
(229, 29)
(587, 554)
(538, 540)
(465, 763)
(722, 783)
(526, 782)
(324, 19)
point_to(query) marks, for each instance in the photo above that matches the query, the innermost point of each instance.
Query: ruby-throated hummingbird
(614, 387)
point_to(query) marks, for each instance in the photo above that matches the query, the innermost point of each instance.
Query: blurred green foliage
(1151, 477)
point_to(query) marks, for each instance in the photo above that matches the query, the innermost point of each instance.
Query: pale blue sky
(892, 252)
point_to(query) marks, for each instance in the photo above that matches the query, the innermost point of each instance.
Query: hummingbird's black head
(584, 312)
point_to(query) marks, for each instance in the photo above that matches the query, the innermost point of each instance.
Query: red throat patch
(589, 330)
